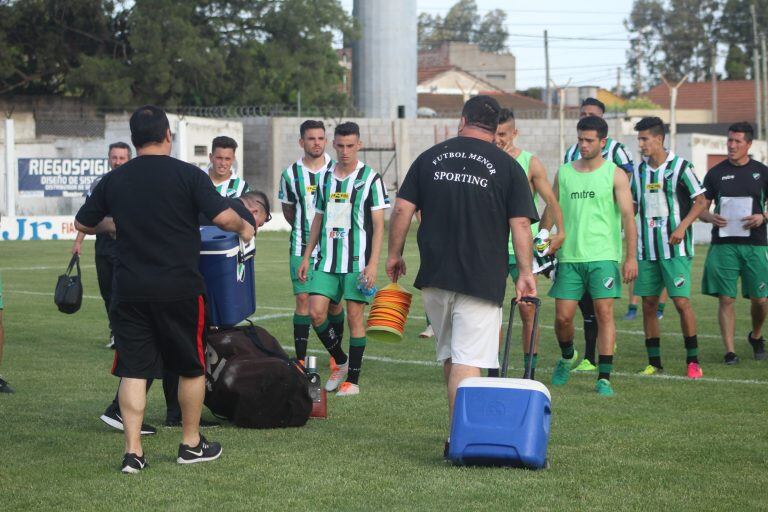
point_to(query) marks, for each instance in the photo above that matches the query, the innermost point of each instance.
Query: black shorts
(153, 335)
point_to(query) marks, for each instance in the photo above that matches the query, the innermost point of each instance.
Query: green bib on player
(591, 215)
(524, 159)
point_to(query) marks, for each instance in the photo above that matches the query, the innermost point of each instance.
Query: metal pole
(764, 79)
(756, 75)
(714, 83)
(298, 103)
(10, 168)
(618, 81)
(673, 120)
(181, 140)
(546, 65)
(561, 98)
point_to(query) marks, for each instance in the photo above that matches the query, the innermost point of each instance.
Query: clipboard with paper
(733, 209)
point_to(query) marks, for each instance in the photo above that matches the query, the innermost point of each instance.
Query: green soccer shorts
(674, 274)
(727, 262)
(337, 287)
(298, 286)
(602, 279)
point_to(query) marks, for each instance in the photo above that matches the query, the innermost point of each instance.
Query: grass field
(662, 443)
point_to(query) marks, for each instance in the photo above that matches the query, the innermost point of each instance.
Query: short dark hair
(223, 142)
(595, 102)
(482, 112)
(745, 128)
(310, 124)
(593, 123)
(257, 196)
(505, 115)
(348, 128)
(653, 124)
(120, 145)
(149, 124)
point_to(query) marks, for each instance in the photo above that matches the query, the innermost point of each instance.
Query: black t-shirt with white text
(155, 202)
(749, 180)
(467, 190)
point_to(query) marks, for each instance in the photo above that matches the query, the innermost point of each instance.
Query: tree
(463, 23)
(177, 52)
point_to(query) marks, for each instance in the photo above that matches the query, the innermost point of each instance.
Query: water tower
(384, 59)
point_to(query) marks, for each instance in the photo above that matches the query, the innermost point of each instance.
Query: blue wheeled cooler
(227, 267)
(500, 421)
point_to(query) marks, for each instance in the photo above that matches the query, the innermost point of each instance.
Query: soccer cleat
(694, 371)
(427, 333)
(338, 375)
(651, 370)
(203, 452)
(112, 418)
(111, 343)
(604, 388)
(585, 366)
(631, 314)
(731, 358)
(348, 389)
(758, 347)
(5, 387)
(133, 463)
(563, 370)
(659, 314)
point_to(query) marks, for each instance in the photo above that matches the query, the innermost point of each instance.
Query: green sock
(337, 321)
(632, 307)
(526, 358)
(662, 306)
(356, 349)
(691, 349)
(604, 367)
(653, 347)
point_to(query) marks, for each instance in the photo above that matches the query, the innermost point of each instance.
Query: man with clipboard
(739, 187)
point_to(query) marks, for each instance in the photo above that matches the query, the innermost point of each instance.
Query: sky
(584, 62)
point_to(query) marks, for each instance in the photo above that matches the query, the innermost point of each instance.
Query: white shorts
(466, 328)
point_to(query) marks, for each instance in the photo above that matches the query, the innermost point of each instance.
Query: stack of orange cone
(389, 312)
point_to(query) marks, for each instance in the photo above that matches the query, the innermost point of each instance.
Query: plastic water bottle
(362, 285)
(316, 390)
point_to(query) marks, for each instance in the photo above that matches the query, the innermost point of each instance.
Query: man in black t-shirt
(158, 305)
(470, 193)
(739, 187)
(104, 248)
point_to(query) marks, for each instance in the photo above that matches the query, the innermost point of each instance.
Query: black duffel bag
(252, 382)
(68, 294)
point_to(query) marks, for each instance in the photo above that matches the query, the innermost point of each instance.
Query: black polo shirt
(467, 190)
(749, 180)
(155, 202)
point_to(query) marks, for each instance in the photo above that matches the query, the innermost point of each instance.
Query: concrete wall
(200, 132)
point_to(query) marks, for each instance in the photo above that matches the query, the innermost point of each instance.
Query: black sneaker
(758, 347)
(731, 358)
(132, 463)
(203, 452)
(5, 387)
(112, 418)
(203, 423)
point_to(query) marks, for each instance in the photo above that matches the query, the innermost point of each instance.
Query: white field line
(413, 317)
(417, 362)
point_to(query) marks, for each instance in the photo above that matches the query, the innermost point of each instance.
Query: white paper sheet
(733, 209)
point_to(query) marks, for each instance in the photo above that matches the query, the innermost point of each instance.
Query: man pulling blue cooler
(227, 267)
(500, 421)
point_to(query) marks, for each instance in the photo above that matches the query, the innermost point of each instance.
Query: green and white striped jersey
(346, 205)
(298, 185)
(664, 196)
(614, 151)
(233, 187)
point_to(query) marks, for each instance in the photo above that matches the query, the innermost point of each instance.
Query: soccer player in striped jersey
(669, 198)
(506, 132)
(222, 158)
(349, 226)
(614, 151)
(298, 185)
